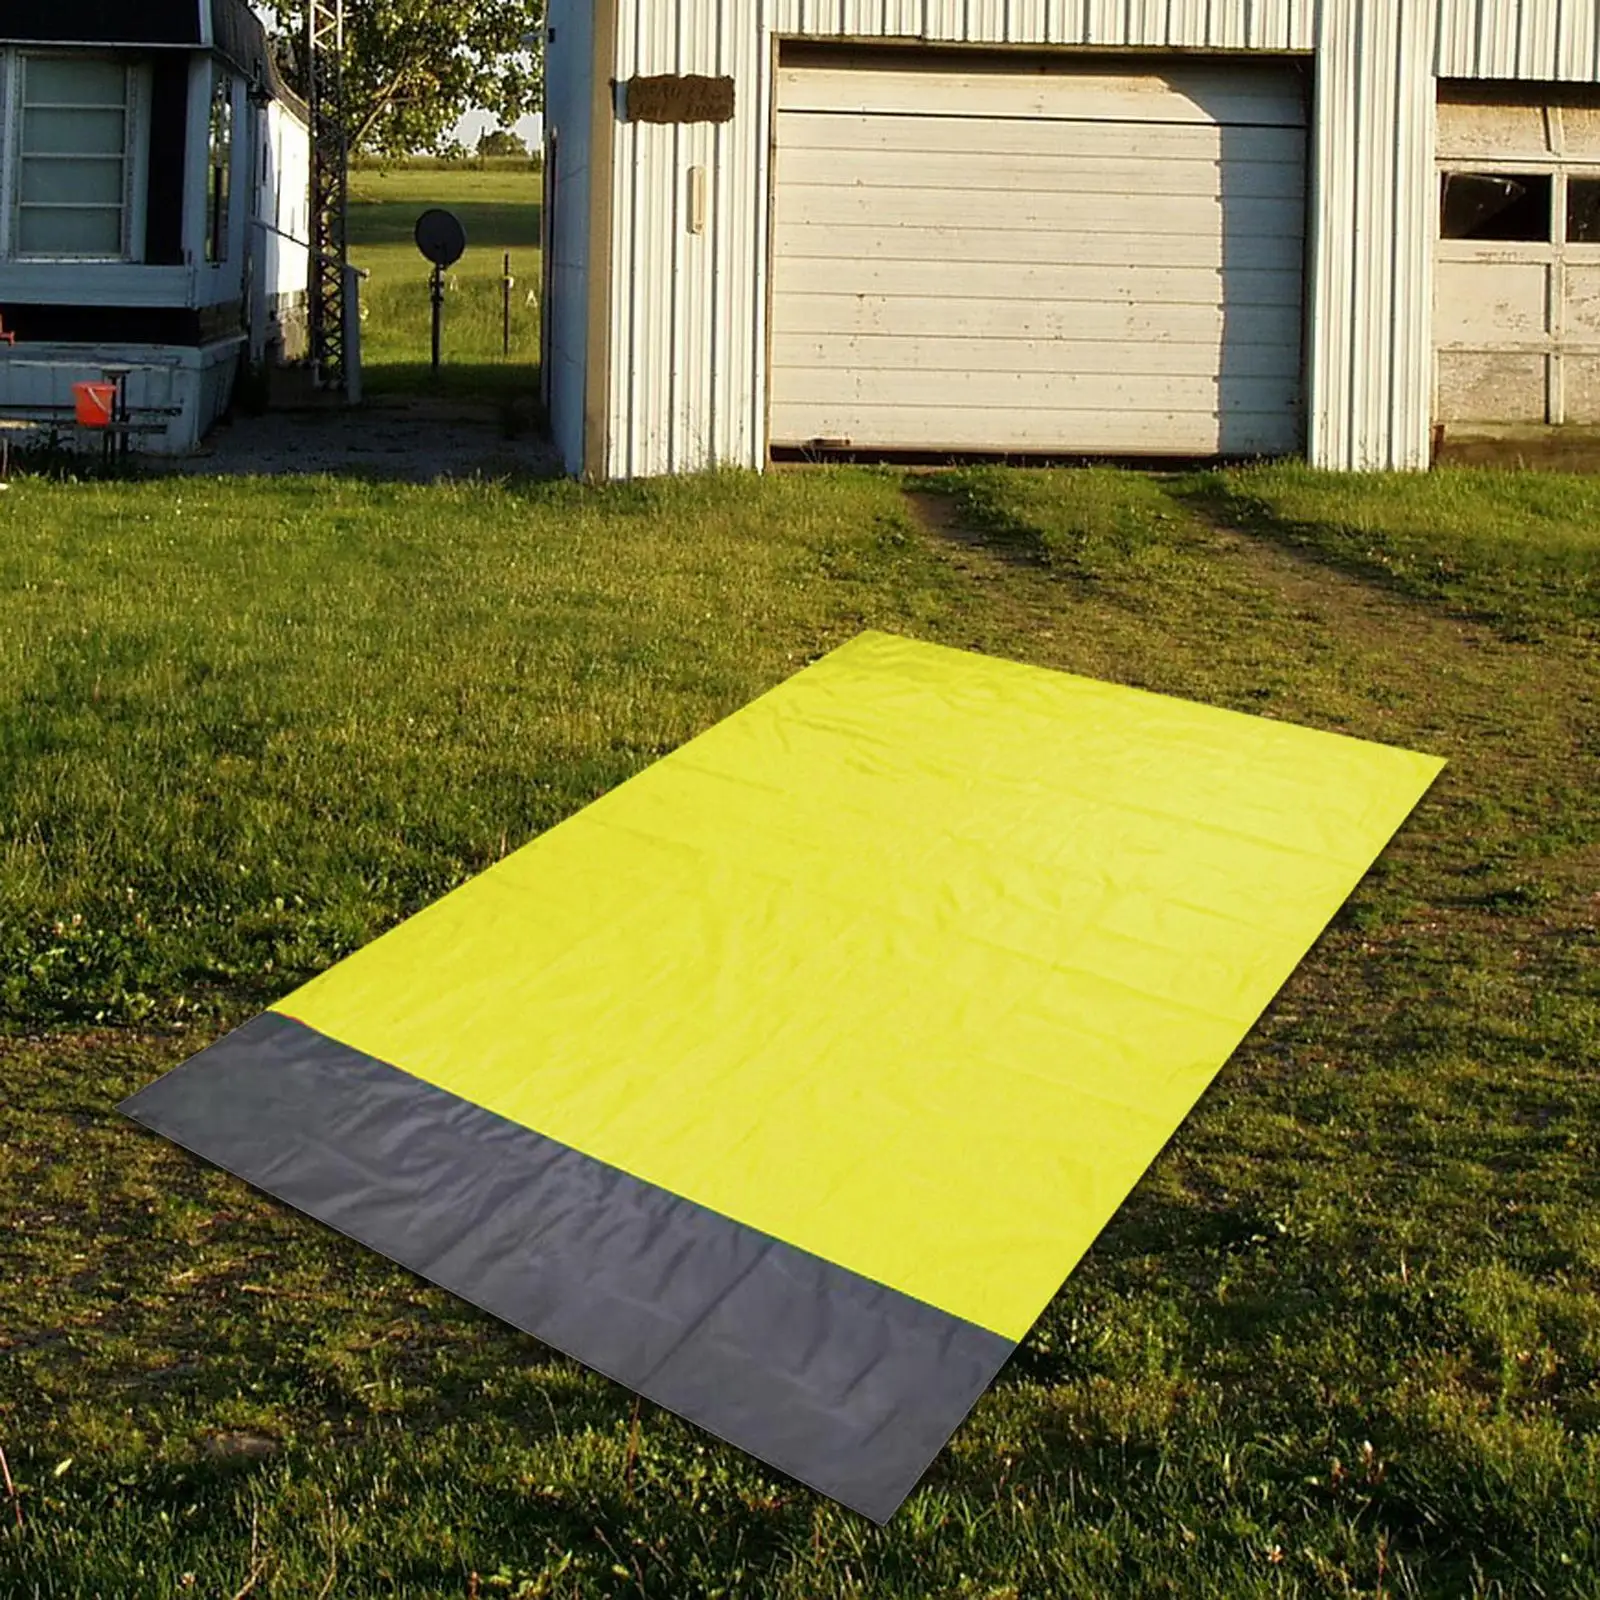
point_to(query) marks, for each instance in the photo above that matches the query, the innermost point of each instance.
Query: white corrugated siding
(1211, 24)
(1533, 39)
(1373, 227)
(688, 385)
(689, 309)
(283, 242)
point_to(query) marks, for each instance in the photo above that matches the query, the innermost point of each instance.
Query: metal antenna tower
(330, 191)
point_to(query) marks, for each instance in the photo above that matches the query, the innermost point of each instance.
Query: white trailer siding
(287, 193)
(688, 328)
(280, 235)
(193, 384)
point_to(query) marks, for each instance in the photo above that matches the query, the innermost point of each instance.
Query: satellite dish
(441, 238)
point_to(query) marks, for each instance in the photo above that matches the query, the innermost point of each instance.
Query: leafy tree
(501, 142)
(413, 67)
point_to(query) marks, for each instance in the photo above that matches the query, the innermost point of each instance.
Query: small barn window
(73, 160)
(1496, 207)
(219, 185)
(1583, 211)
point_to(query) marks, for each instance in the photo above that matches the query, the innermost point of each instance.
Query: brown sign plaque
(679, 99)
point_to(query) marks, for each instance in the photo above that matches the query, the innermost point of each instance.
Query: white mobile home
(1070, 227)
(154, 206)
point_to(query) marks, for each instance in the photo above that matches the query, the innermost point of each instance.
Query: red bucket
(96, 402)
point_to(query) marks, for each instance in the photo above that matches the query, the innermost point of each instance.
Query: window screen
(1496, 206)
(73, 167)
(1583, 211)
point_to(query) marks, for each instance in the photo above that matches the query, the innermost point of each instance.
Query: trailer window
(73, 161)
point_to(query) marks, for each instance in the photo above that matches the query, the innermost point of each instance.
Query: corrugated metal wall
(1369, 351)
(1536, 39)
(1213, 24)
(688, 312)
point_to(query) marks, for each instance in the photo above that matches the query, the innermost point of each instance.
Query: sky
(476, 123)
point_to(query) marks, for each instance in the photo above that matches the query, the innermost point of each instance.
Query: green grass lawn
(1343, 1340)
(499, 208)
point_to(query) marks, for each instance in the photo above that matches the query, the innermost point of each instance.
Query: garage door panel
(1094, 431)
(1019, 138)
(1583, 390)
(1580, 133)
(1050, 173)
(1078, 261)
(1226, 96)
(1022, 319)
(937, 281)
(830, 352)
(1583, 302)
(1477, 386)
(1026, 209)
(1470, 132)
(954, 242)
(1125, 392)
(1477, 302)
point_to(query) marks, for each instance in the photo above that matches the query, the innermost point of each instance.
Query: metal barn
(1072, 227)
(154, 207)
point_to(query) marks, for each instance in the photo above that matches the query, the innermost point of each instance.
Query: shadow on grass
(1225, 504)
(491, 381)
(1407, 540)
(1196, 1244)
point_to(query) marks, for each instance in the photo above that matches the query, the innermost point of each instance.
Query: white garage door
(1073, 259)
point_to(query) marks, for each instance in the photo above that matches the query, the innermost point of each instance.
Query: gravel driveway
(404, 440)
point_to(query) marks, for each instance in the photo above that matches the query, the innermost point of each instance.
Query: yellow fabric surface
(915, 962)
